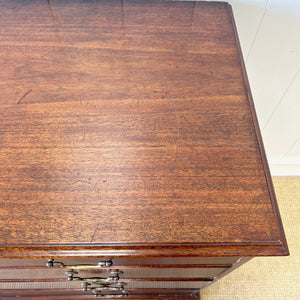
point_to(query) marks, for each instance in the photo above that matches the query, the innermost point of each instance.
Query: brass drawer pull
(101, 264)
(114, 276)
(102, 287)
(95, 284)
(106, 287)
(110, 296)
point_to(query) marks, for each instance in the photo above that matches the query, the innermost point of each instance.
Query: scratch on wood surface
(20, 49)
(82, 181)
(93, 236)
(28, 92)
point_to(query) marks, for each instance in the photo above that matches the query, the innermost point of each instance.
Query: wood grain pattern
(121, 125)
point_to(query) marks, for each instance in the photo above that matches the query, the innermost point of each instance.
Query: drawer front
(163, 272)
(122, 273)
(125, 261)
(140, 284)
(138, 294)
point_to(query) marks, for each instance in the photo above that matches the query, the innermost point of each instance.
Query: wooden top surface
(125, 123)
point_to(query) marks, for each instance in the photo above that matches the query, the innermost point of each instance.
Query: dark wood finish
(128, 132)
(119, 133)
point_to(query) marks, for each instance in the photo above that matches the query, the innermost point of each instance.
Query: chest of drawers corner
(131, 160)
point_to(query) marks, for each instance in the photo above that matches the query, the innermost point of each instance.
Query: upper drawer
(123, 261)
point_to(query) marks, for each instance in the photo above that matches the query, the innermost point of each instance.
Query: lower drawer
(138, 294)
(136, 284)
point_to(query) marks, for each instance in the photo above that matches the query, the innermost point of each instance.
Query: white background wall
(269, 32)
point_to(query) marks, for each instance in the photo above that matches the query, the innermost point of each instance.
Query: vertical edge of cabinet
(237, 264)
(284, 248)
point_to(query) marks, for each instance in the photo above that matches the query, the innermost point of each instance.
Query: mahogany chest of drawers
(131, 161)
